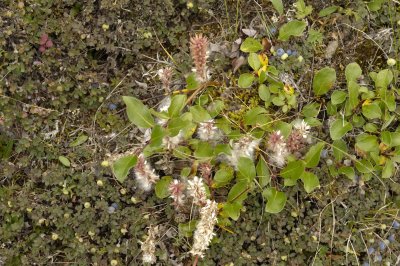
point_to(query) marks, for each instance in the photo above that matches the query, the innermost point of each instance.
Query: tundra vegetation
(200, 132)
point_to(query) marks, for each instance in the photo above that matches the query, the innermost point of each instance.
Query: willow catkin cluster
(244, 147)
(145, 174)
(198, 51)
(148, 247)
(205, 228)
(277, 145)
(197, 191)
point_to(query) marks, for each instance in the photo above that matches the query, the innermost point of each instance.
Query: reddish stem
(196, 260)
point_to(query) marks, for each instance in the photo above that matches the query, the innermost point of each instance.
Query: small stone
(280, 52)
(371, 250)
(300, 59)
(284, 56)
(396, 225)
(105, 27)
(382, 245)
(111, 210)
(189, 5)
(391, 62)
(112, 106)
(347, 162)
(54, 236)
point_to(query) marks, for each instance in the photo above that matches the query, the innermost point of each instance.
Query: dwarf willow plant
(225, 155)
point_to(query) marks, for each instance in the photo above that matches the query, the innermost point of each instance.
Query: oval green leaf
(138, 113)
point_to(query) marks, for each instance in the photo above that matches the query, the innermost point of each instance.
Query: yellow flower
(288, 89)
(367, 102)
(263, 59)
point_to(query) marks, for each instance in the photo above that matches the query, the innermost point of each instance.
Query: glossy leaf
(313, 155)
(324, 80)
(64, 160)
(122, 166)
(161, 188)
(245, 80)
(276, 200)
(292, 28)
(310, 181)
(251, 45)
(138, 113)
(339, 128)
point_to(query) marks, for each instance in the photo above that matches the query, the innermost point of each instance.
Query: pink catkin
(198, 50)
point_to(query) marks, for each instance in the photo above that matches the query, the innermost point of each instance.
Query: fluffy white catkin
(205, 228)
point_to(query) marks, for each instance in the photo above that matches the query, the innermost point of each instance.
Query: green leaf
(238, 192)
(278, 101)
(157, 135)
(264, 177)
(347, 171)
(79, 140)
(352, 102)
(246, 168)
(314, 154)
(367, 142)
(64, 160)
(216, 107)
(338, 97)
(162, 186)
(315, 36)
(375, 5)
(353, 72)
(223, 176)
(302, 9)
(233, 209)
(138, 113)
(204, 151)
(339, 128)
(384, 78)
(276, 200)
(327, 11)
(177, 104)
(122, 166)
(310, 181)
(199, 114)
(191, 82)
(245, 80)
(372, 111)
(264, 93)
(391, 139)
(293, 170)
(182, 152)
(324, 80)
(278, 6)
(251, 45)
(388, 98)
(388, 169)
(255, 116)
(364, 166)
(311, 109)
(292, 28)
(339, 149)
(254, 61)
